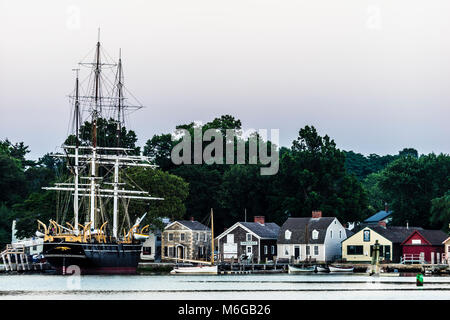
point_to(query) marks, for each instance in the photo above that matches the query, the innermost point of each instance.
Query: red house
(424, 245)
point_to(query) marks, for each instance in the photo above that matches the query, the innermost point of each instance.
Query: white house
(317, 238)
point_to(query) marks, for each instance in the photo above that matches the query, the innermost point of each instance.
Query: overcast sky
(373, 75)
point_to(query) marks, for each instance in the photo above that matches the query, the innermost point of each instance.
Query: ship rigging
(96, 164)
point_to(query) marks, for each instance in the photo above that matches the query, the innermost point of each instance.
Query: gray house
(186, 239)
(255, 241)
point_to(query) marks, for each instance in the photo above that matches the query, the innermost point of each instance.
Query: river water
(221, 287)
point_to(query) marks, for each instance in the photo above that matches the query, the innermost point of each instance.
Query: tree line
(313, 175)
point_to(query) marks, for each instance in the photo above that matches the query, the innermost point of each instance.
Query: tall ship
(105, 232)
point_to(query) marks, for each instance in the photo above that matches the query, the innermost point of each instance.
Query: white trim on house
(234, 226)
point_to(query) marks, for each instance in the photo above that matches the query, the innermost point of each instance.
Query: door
(180, 252)
(297, 253)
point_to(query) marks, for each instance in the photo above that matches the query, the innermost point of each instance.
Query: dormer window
(287, 235)
(315, 234)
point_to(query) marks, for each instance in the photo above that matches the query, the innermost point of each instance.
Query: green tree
(312, 176)
(160, 184)
(411, 183)
(440, 211)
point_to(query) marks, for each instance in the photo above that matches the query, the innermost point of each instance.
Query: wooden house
(256, 241)
(359, 246)
(424, 245)
(446, 244)
(186, 240)
(317, 238)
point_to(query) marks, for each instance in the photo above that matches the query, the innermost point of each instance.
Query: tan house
(186, 240)
(359, 246)
(446, 244)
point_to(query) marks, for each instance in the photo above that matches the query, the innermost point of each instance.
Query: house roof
(268, 230)
(434, 237)
(380, 215)
(193, 225)
(302, 229)
(349, 233)
(396, 234)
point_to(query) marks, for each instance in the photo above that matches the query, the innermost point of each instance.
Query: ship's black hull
(92, 258)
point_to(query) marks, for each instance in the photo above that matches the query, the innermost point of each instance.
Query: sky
(373, 75)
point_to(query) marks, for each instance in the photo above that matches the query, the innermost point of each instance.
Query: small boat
(341, 269)
(294, 270)
(322, 269)
(200, 269)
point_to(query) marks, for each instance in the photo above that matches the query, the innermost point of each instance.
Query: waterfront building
(186, 240)
(446, 244)
(359, 246)
(315, 239)
(425, 245)
(151, 248)
(254, 241)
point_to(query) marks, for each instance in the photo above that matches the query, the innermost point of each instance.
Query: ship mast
(97, 106)
(77, 144)
(116, 162)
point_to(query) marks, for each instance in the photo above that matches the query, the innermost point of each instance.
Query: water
(221, 287)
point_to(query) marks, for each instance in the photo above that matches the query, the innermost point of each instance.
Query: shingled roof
(395, 234)
(267, 230)
(434, 237)
(194, 225)
(302, 229)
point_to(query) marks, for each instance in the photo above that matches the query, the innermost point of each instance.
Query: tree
(440, 211)
(411, 183)
(312, 176)
(160, 184)
(12, 178)
(159, 148)
(106, 135)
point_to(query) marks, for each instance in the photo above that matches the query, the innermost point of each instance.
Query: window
(385, 251)
(196, 236)
(315, 234)
(202, 237)
(170, 236)
(316, 250)
(206, 237)
(366, 235)
(416, 241)
(355, 250)
(308, 250)
(182, 236)
(340, 234)
(230, 238)
(265, 250)
(171, 252)
(249, 249)
(286, 250)
(331, 234)
(147, 251)
(249, 237)
(273, 250)
(287, 235)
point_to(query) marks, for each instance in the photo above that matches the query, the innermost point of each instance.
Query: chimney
(407, 225)
(382, 224)
(192, 218)
(317, 214)
(259, 219)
